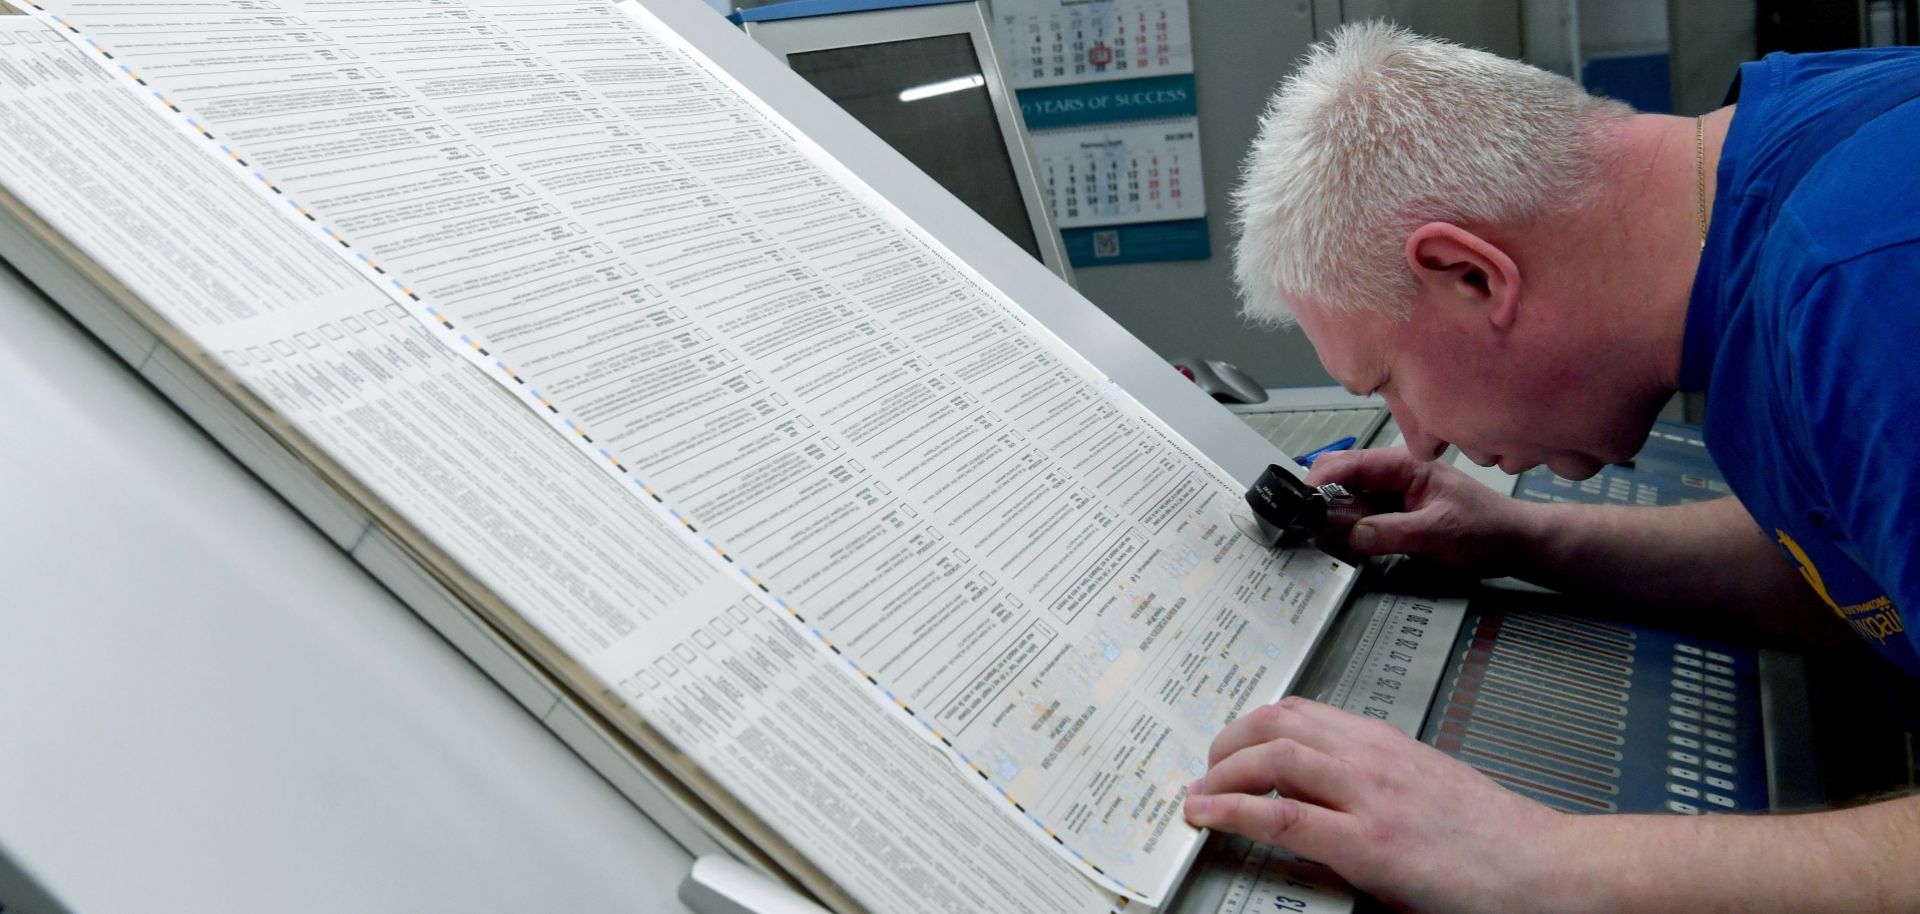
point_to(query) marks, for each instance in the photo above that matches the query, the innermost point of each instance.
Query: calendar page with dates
(1144, 172)
(1055, 42)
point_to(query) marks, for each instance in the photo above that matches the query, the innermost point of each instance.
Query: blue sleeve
(1854, 342)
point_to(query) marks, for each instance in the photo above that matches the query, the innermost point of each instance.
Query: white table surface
(205, 707)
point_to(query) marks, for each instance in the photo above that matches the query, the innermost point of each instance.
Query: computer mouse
(1223, 381)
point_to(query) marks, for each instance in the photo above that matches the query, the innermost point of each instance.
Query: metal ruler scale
(1269, 879)
(1395, 667)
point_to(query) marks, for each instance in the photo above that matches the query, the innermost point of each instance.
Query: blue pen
(1307, 459)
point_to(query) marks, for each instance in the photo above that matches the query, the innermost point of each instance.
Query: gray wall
(1242, 49)
(1492, 25)
(1709, 42)
(1615, 26)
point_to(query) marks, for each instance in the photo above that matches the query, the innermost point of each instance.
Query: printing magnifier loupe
(1286, 511)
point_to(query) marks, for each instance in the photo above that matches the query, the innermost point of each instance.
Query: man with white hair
(1528, 273)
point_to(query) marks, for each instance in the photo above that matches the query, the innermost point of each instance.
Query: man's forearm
(1853, 860)
(1707, 559)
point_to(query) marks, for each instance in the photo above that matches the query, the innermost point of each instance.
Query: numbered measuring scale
(1254, 877)
(1393, 650)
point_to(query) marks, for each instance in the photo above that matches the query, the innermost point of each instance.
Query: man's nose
(1426, 447)
(1421, 445)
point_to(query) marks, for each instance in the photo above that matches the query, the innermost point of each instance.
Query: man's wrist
(1527, 545)
(1596, 864)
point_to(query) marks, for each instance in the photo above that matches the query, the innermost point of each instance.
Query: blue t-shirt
(1804, 326)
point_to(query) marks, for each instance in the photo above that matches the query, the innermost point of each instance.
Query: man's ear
(1466, 268)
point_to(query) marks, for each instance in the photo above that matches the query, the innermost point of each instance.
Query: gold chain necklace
(1700, 178)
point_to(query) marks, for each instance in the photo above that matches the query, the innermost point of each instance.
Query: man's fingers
(1310, 723)
(1294, 769)
(1311, 831)
(1381, 469)
(1408, 532)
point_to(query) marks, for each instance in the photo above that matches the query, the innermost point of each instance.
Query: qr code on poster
(1106, 243)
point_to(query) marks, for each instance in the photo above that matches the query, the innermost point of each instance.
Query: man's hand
(1447, 515)
(1422, 831)
(1707, 562)
(1397, 818)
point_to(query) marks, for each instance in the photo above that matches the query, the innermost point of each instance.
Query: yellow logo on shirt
(1874, 620)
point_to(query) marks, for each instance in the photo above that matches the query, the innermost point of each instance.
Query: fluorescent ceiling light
(956, 84)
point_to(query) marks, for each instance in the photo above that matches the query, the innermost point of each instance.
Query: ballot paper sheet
(904, 573)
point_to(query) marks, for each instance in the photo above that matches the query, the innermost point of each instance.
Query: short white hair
(1381, 131)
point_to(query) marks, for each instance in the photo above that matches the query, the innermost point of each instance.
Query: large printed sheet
(894, 564)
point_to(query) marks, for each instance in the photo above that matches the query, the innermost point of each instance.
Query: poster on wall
(1107, 91)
